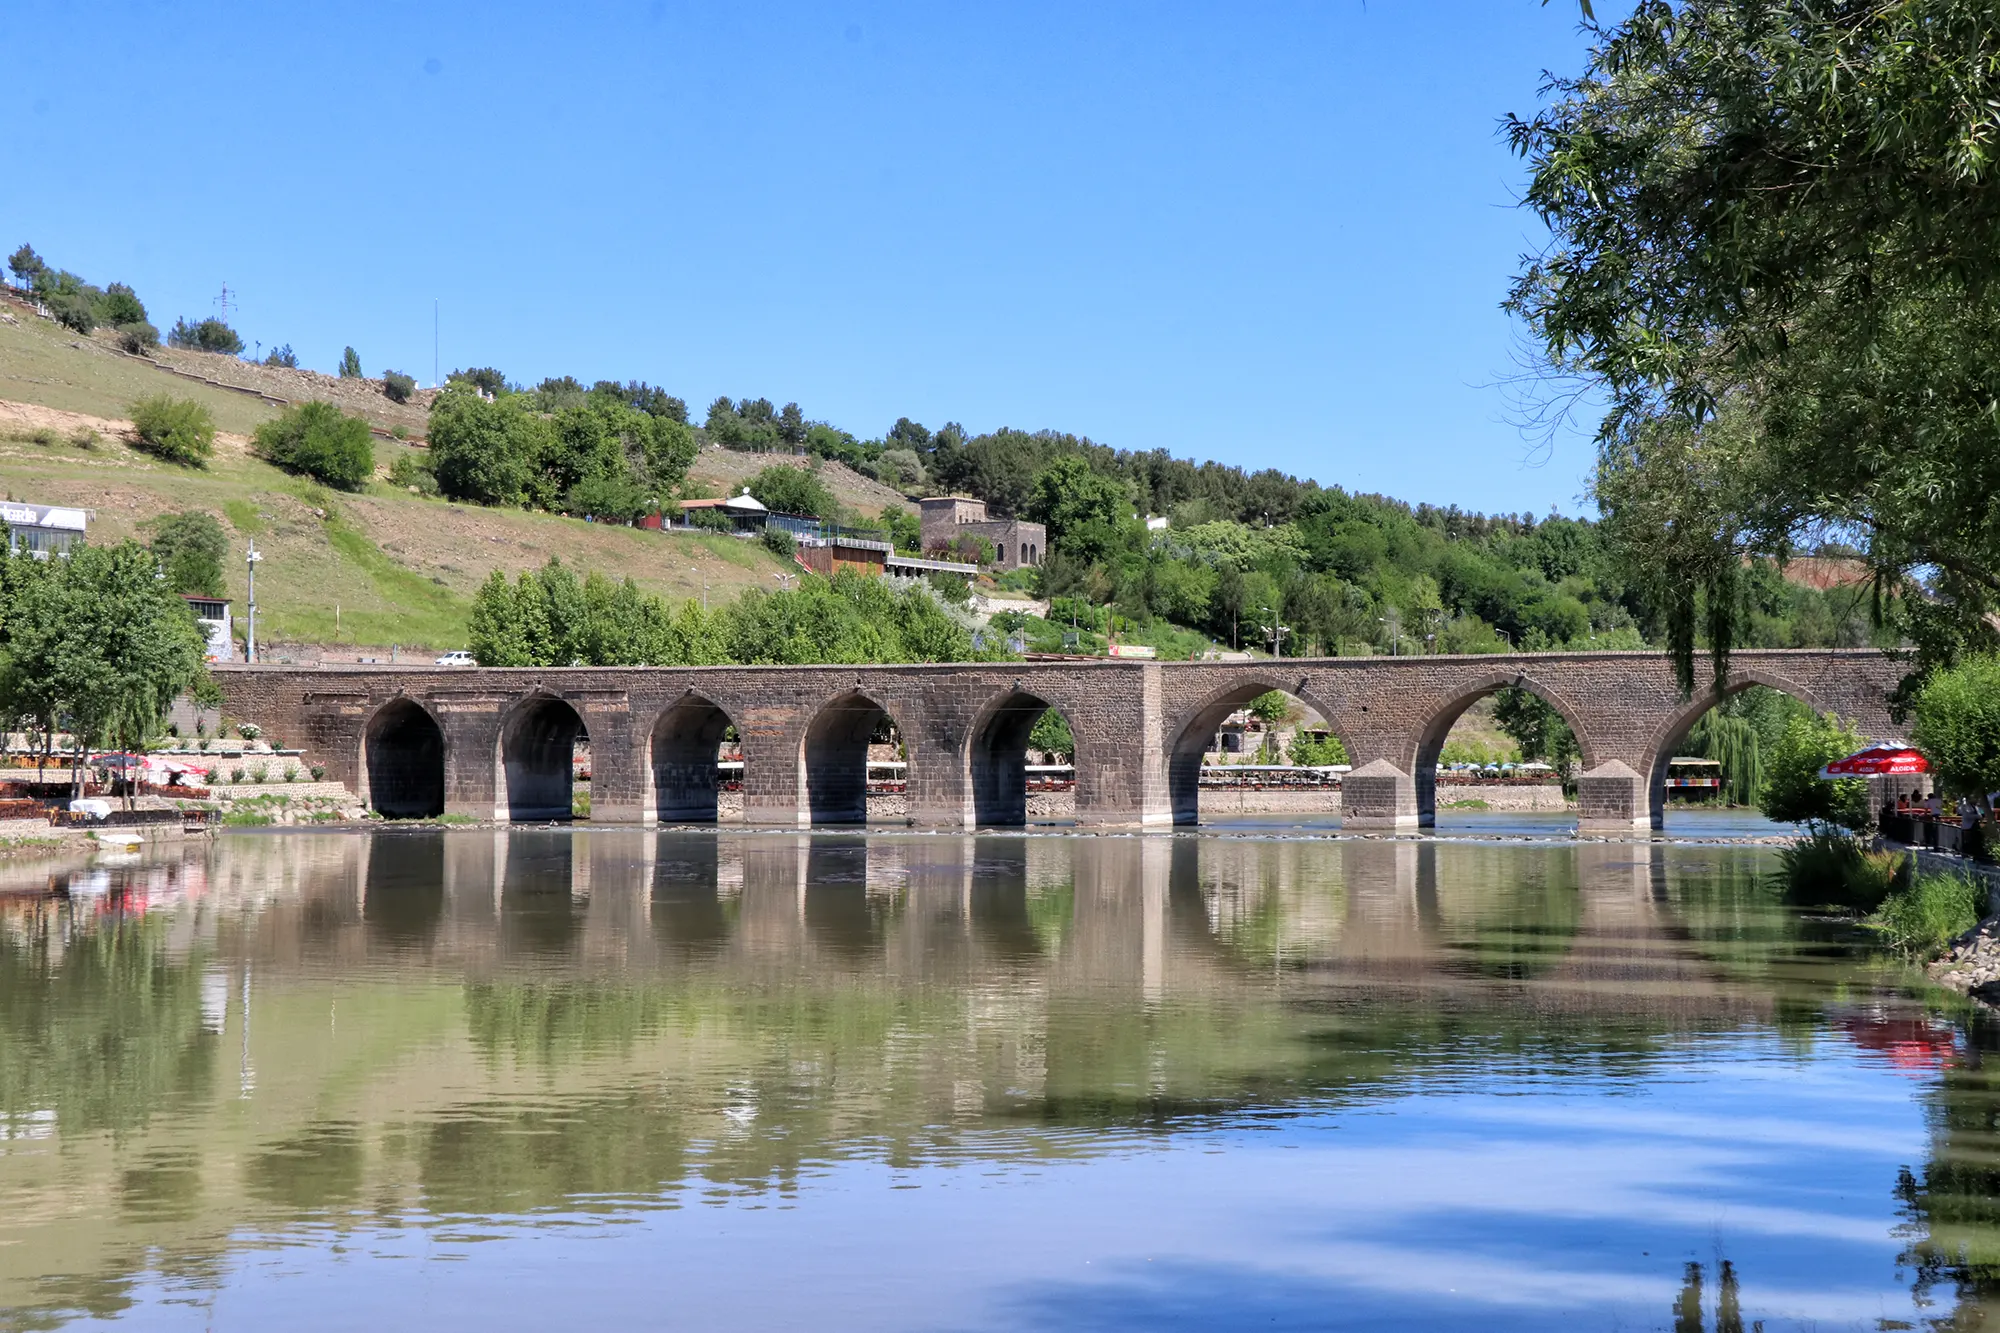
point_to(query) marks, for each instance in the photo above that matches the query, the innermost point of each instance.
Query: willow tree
(1774, 239)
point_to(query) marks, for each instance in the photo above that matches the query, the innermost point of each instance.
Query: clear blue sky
(1271, 234)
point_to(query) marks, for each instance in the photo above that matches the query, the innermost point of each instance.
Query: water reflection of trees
(651, 1018)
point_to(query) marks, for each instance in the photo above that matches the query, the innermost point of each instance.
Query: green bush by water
(1927, 915)
(1830, 867)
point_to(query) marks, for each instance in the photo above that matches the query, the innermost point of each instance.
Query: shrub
(211, 335)
(259, 772)
(793, 490)
(191, 547)
(138, 338)
(236, 775)
(318, 772)
(1309, 751)
(176, 429)
(283, 357)
(1927, 915)
(710, 518)
(412, 473)
(293, 773)
(1832, 867)
(779, 543)
(397, 387)
(74, 310)
(611, 496)
(1794, 792)
(318, 440)
(120, 305)
(43, 436)
(350, 364)
(249, 731)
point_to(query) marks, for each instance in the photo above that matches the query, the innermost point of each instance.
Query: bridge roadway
(496, 742)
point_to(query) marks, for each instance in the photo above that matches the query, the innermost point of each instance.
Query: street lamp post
(250, 641)
(696, 571)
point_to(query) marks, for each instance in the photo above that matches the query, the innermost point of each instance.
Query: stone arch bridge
(495, 742)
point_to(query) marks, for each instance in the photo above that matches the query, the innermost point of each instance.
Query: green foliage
(779, 543)
(1772, 252)
(905, 529)
(1734, 743)
(120, 305)
(1794, 793)
(1271, 707)
(191, 547)
(482, 450)
(210, 335)
(1958, 725)
(26, 265)
(609, 497)
(397, 387)
(350, 364)
(283, 356)
(485, 379)
(1309, 751)
(1088, 514)
(176, 429)
(138, 339)
(794, 490)
(97, 643)
(1921, 919)
(412, 472)
(318, 440)
(1052, 737)
(1831, 867)
(1537, 729)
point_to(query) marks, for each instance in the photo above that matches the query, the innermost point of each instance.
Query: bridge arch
(681, 754)
(1200, 724)
(1431, 740)
(996, 755)
(403, 761)
(1673, 731)
(833, 756)
(537, 745)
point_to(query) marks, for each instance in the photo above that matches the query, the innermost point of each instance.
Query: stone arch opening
(684, 749)
(1555, 750)
(538, 743)
(834, 756)
(996, 756)
(1672, 740)
(1212, 737)
(402, 754)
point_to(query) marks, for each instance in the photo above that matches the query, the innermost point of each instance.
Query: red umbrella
(1883, 758)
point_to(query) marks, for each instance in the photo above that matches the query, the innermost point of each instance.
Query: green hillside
(360, 571)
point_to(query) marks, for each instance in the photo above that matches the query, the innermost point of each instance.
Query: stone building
(1017, 543)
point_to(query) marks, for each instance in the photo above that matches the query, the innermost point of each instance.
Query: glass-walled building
(42, 530)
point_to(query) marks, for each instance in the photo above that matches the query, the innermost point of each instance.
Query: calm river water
(614, 1079)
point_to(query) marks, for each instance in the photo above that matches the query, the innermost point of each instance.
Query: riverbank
(1507, 799)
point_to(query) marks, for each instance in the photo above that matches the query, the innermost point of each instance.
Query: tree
(26, 266)
(1958, 725)
(481, 449)
(1084, 509)
(486, 379)
(1794, 792)
(100, 640)
(1772, 251)
(1537, 729)
(350, 364)
(793, 490)
(176, 429)
(283, 356)
(211, 335)
(397, 387)
(120, 305)
(318, 440)
(191, 547)
(792, 424)
(1052, 737)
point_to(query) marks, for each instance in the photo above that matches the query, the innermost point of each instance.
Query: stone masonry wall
(1140, 726)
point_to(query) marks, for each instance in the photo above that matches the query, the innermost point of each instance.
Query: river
(1250, 1077)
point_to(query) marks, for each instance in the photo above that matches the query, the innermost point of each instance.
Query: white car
(460, 658)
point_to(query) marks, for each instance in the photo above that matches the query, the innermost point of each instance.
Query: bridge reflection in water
(331, 1032)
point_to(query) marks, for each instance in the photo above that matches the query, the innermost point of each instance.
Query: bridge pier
(1378, 795)
(1612, 798)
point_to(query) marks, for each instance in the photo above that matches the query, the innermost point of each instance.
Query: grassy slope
(393, 568)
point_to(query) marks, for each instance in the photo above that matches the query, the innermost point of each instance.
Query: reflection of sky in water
(1507, 1205)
